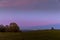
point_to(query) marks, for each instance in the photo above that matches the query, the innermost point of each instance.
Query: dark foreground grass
(10, 36)
(33, 35)
(42, 35)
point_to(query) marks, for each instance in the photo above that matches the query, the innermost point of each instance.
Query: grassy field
(32, 35)
(10, 36)
(42, 35)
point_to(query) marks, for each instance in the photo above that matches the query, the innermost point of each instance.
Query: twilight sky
(30, 12)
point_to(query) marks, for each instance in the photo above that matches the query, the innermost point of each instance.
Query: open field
(42, 35)
(10, 36)
(32, 35)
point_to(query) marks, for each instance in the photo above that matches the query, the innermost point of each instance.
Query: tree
(13, 27)
(52, 28)
(2, 28)
(6, 28)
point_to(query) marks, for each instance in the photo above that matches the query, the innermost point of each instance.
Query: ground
(10, 36)
(42, 35)
(32, 35)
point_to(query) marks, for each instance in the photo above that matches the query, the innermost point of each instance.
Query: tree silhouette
(7, 28)
(13, 27)
(52, 28)
(2, 28)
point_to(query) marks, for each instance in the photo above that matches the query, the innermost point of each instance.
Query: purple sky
(30, 12)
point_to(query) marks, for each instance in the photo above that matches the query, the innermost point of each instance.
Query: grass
(42, 35)
(10, 36)
(32, 35)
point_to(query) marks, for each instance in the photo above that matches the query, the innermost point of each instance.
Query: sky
(28, 13)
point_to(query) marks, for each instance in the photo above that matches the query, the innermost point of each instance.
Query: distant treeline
(12, 27)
